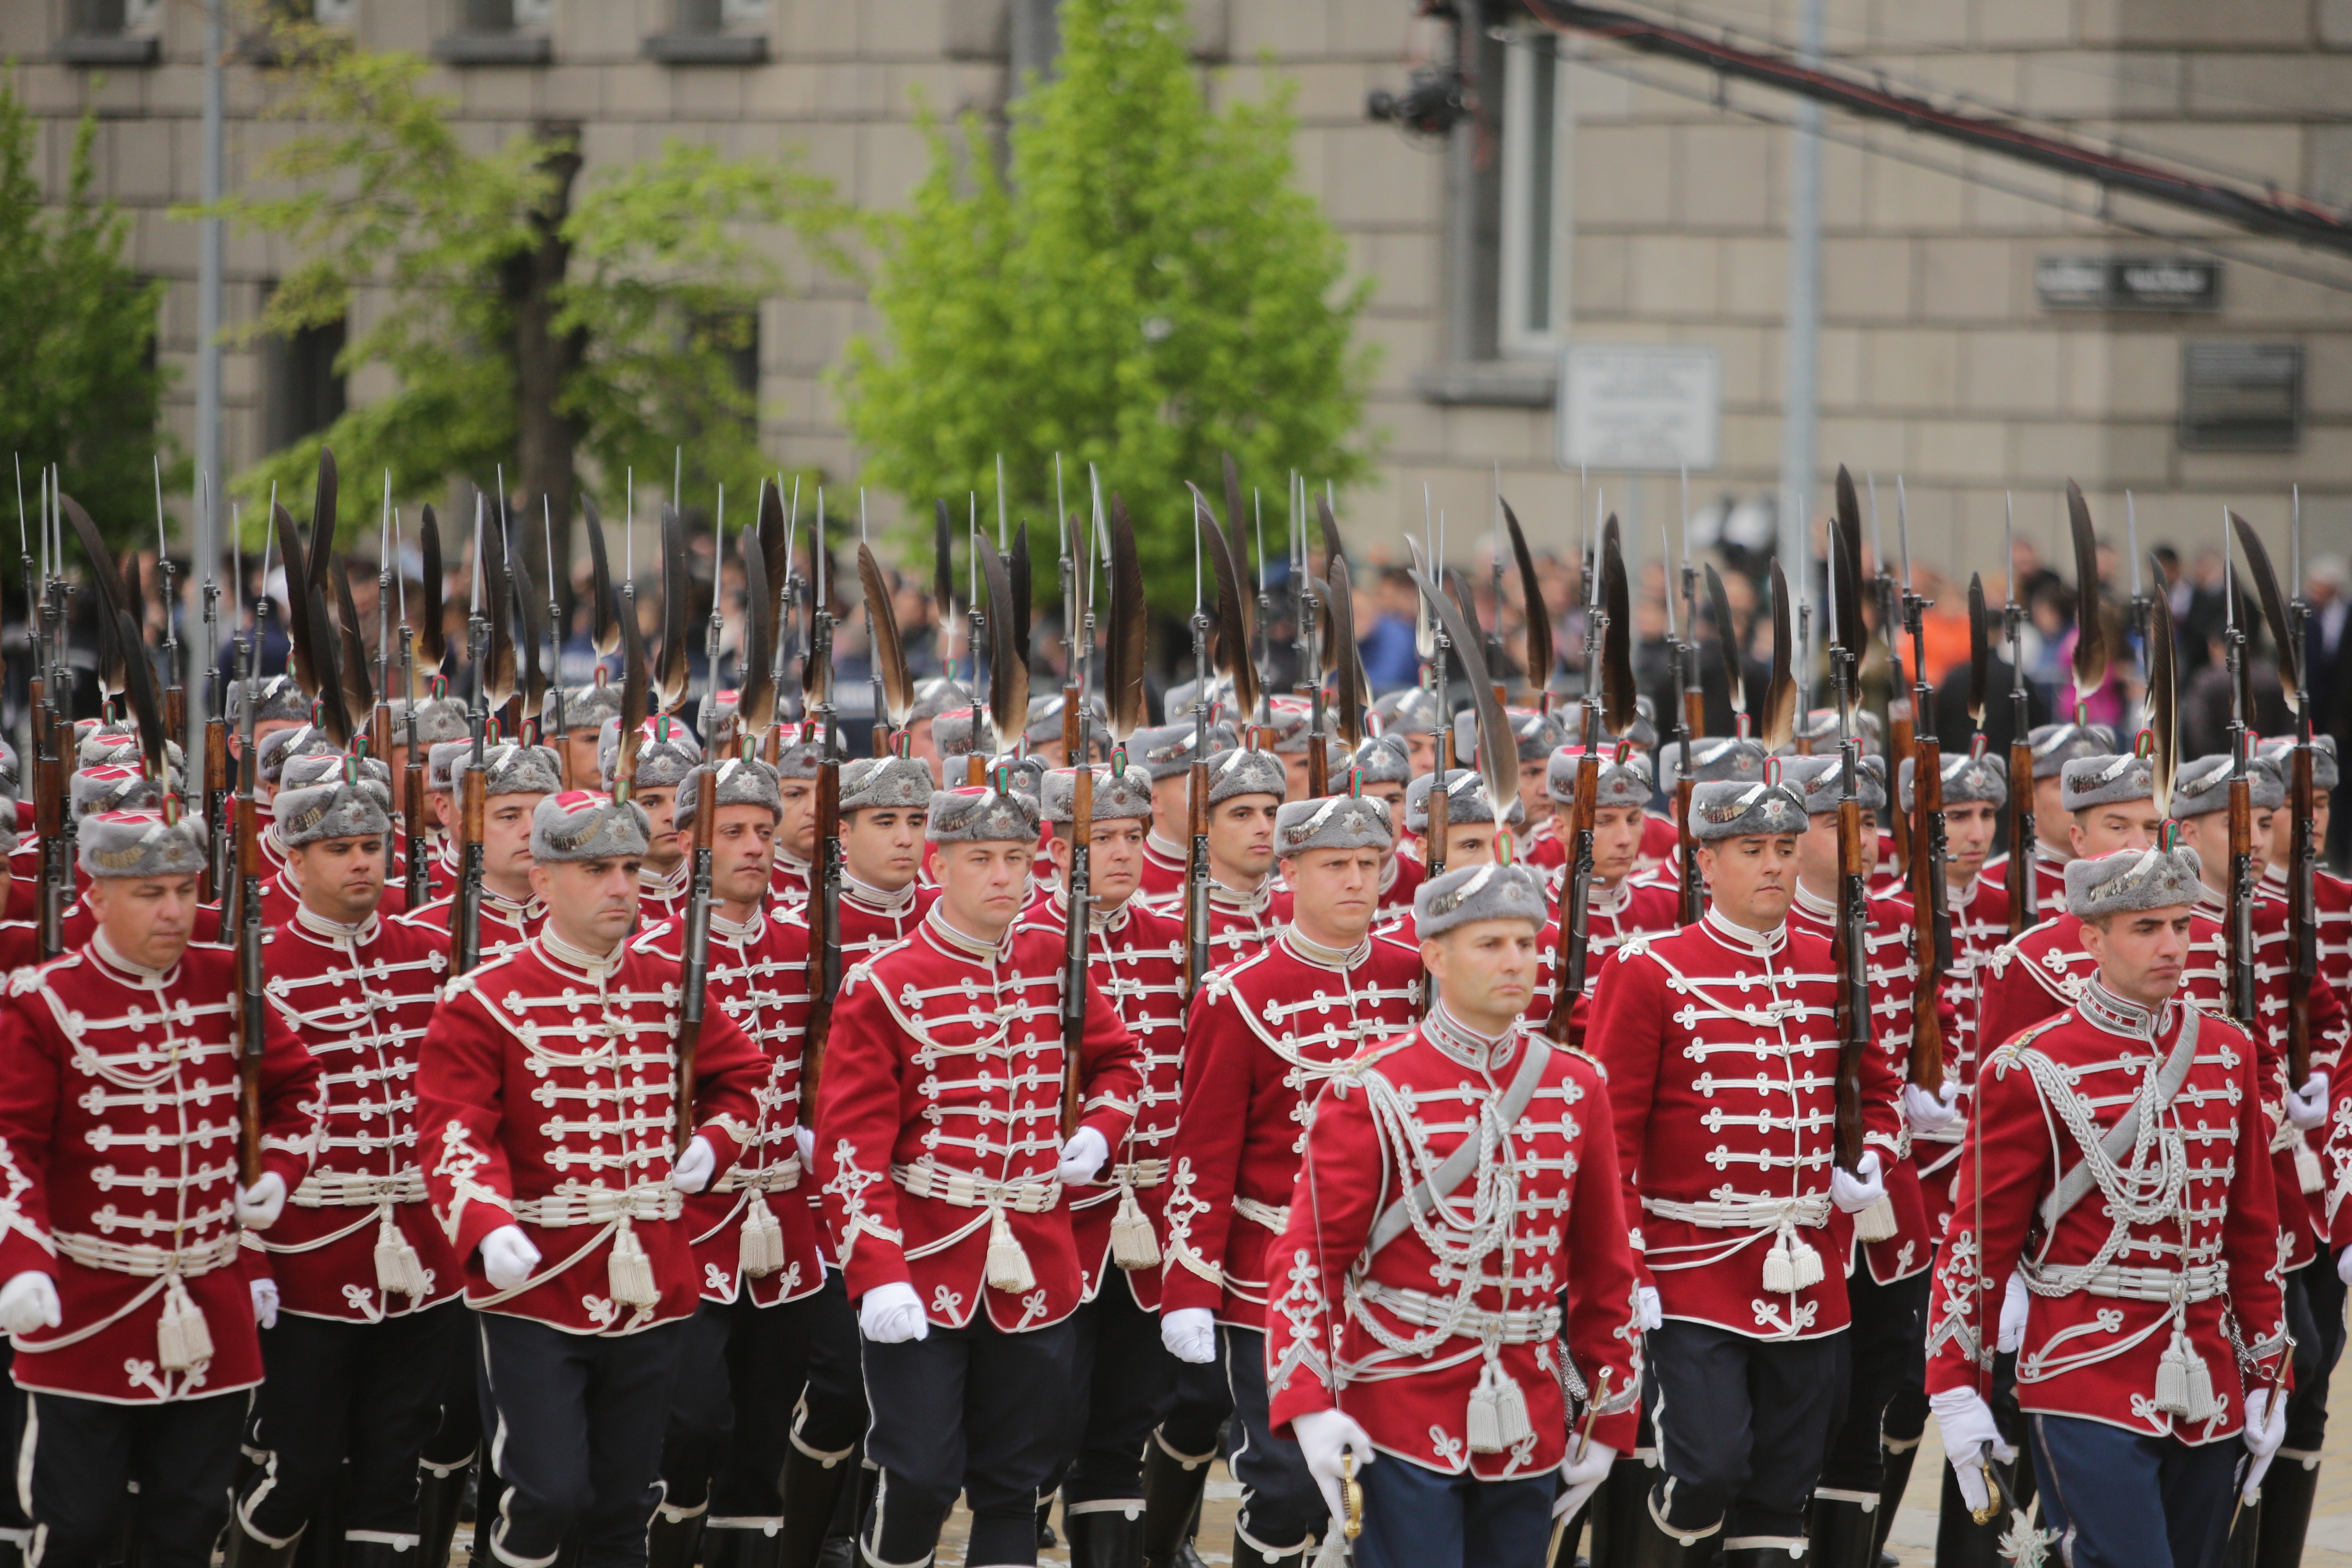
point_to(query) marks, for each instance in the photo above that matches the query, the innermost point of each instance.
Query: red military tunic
(1263, 1035)
(550, 1096)
(1136, 959)
(1165, 865)
(1727, 1176)
(1614, 917)
(1239, 923)
(661, 897)
(2049, 882)
(1893, 972)
(506, 926)
(1979, 928)
(789, 883)
(357, 1241)
(940, 1123)
(1467, 1302)
(280, 899)
(749, 1236)
(119, 1151)
(1662, 841)
(872, 920)
(2170, 1250)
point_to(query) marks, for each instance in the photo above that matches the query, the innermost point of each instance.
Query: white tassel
(1511, 1408)
(2306, 1167)
(398, 1269)
(2173, 1376)
(183, 1340)
(1875, 1223)
(762, 1248)
(1485, 1422)
(1780, 1271)
(1008, 1266)
(1133, 1243)
(2202, 1405)
(1807, 1261)
(630, 1271)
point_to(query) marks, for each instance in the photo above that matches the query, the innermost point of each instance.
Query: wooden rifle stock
(219, 841)
(1575, 895)
(252, 1020)
(824, 927)
(1904, 744)
(1931, 939)
(2021, 911)
(379, 747)
(466, 913)
(2303, 915)
(2241, 898)
(1686, 849)
(1074, 975)
(412, 811)
(694, 969)
(1196, 878)
(1847, 958)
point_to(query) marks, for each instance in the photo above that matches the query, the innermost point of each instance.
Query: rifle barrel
(1074, 978)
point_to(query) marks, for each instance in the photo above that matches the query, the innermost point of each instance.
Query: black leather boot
(376, 1554)
(812, 1489)
(1172, 1486)
(245, 1550)
(1249, 1554)
(440, 1496)
(1763, 1557)
(1897, 1462)
(1840, 1533)
(672, 1538)
(1104, 1534)
(1647, 1544)
(2248, 1534)
(2287, 1490)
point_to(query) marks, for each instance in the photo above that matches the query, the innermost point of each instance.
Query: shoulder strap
(1456, 1167)
(2076, 1184)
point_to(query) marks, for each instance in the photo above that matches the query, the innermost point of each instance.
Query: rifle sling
(2076, 1185)
(1456, 1167)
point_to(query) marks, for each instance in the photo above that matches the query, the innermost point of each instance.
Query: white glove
(1324, 1436)
(2343, 1265)
(691, 1171)
(1857, 1191)
(265, 1302)
(1190, 1334)
(2014, 1300)
(1966, 1425)
(508, 1257)
(1083, 1156)
(804, 1140)
(892, 1314)
(2265, 1430)
(2309, 1109)
(257, 1205)
(1931, 1113)
(1581, 1477)
(1653, 1311)
(28, 1303)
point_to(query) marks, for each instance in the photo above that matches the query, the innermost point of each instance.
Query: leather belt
(966, 1191)
(601, 1206)
(145, 1262)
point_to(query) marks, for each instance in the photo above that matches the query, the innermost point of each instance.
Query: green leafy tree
(1143, 288)
(528, 319)
(78, 381)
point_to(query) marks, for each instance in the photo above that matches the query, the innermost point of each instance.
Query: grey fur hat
(1383, 759)
(1537, 733)
(1240, 771)
(1465, 802)
(1166, 749)
(114, 787)
(2130, 881)
(1125, 796)
(1820, 779)
(981, 814)
(2203, 786)
(742, 782)
(1292, 720)
(281, 746)
(1178, 703)
(336, 806)
(1409, 711)
(302, 772)
(1627, 783)
(1645, 732)
(12, 773)
(952, 733)
(280, 700)
(1727, 809)
(936, 695)
(1967, 780)
(437, 720)
(1821, 728)
(2279, 752)
(119, 743)
(586, 708)
(799, 759)
(507, 768)
(900, 782)
(1718, 759)
(2055, 745)
(2107, 781)
(140, 843)
(1478, 894)
(1334, 822)
(588, 825)
(666, 754)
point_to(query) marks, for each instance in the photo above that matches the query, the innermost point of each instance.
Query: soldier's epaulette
(860, 971)
(1580, 1054)
(643, 941)
(1637, 944)
(2006, 1053)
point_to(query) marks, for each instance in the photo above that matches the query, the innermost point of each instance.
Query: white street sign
(1643, 409)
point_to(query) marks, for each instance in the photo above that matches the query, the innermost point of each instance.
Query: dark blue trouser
(1281, 1504)
(1742, 1423)
(1416, 1517)
(2124, 1500)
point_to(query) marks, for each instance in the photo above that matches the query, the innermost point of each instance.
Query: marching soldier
(1124, 1377)
(2114, 1163)
(283, 894)
(1618, 906)
(1263, 1034)
(2332, 895)
(1740, 1207)
(942, 1162)
(1537, 735)
(1381, 770)
(883, 803)
(936, 695)
(1869, 1460)
(1723, 759)
(134, 1327)
(359, 1286)
(1412, 716)
(280, 705)
(515, 780)
(753, 1230)
(1458, 1197)
(2054, 746)
(1975, 790)
(1470, 830)
(798, 761)
(1246, 908)
(1166, 751)
(666, 754)
(577, 737)
(548, 1110)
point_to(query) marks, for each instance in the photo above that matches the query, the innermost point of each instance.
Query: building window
(110, 33)
(1532, 268)
(713, 33)
(498, 33)
(303, 392)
